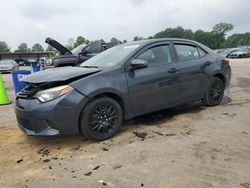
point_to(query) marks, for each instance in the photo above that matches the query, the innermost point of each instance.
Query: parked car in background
(8, 66)
(76, 56)
(22, 62)
(125, 81)
(239, 53)
(227, 52)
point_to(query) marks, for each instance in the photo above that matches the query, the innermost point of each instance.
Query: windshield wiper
(85, 66)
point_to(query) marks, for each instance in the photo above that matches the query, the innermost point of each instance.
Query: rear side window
(186, 52)
(156, 55)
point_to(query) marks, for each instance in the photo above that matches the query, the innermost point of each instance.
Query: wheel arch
(220, 76)
(106, 93)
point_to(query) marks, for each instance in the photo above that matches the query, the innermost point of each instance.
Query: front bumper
(57, 117)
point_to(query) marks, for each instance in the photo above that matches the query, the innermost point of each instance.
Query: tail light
(226, 61)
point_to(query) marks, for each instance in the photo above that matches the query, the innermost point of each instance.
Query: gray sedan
(120, 83)
(8, 66)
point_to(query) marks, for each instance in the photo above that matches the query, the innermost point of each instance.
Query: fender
(115, 94)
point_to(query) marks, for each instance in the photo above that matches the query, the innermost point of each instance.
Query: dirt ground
(187, 146)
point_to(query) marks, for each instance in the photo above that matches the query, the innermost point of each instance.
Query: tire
(101, 119)
(215, 92)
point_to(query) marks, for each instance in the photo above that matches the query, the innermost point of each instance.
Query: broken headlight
(52, 93)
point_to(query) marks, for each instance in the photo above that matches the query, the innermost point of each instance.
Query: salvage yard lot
(185, 146)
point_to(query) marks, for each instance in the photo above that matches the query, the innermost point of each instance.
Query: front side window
(186, 52)
(156, 55)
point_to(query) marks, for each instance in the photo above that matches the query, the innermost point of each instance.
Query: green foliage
(177, 32)
(115, 40)
(37, 48)
(80, 40)
(136, 38)
(222, 28)
(4, 47)
(214, 39)
(207, 38)
(237, 40)
(87, 41)
(23, 47)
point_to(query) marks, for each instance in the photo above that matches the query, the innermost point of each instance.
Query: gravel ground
(186, 146)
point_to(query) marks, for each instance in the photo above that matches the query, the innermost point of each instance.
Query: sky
(31, 21)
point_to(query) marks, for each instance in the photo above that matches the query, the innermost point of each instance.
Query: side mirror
(138, 64)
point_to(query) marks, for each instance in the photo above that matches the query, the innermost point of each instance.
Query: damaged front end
(45, 92)
(41, 107)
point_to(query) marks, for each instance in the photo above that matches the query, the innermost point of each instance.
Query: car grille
(49, 123)
(24, 123)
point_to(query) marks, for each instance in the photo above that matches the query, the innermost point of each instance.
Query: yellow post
(3, 95)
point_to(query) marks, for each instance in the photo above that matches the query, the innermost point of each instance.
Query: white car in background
(8, 66)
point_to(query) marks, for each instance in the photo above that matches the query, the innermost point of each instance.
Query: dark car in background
(76, 56)
(121, 83)
(8, 66)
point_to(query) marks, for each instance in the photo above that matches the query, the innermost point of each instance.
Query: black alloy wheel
(101, 118)
(215, 92)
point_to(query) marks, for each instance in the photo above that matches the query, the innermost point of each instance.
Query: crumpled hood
(58, 74)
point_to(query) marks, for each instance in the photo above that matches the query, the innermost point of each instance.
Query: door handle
(173, 70)
(207, 63)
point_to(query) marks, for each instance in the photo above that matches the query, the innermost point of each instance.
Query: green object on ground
(3, 95)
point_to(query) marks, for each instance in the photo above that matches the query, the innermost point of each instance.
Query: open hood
(58, 74)
(62, 49)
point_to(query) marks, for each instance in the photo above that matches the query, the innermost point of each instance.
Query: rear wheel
(101, 119)
(215, 92)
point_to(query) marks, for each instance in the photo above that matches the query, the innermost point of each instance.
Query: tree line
(214, 39)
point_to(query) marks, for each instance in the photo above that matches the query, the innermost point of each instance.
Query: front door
(156, 86)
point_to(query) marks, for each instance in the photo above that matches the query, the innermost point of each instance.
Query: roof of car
(161, 39)
(148, 41)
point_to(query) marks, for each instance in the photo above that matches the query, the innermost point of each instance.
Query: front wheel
(215, 92)
(101, 119)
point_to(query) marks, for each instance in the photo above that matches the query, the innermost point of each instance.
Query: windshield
(112, 56)
(78, 49)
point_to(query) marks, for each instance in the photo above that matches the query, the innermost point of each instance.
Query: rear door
(156, 86)
(192, 61)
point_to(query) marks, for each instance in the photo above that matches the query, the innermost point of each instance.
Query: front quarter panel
(113, 82)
